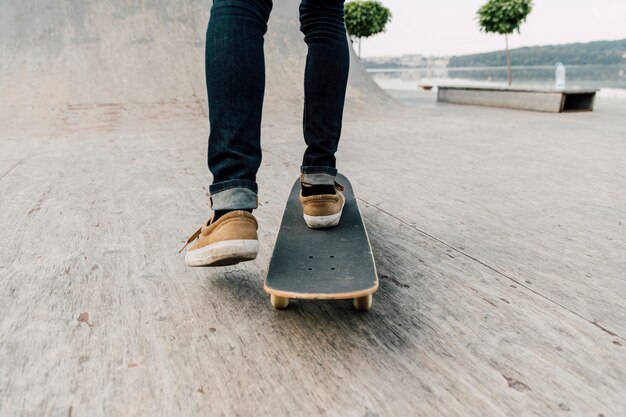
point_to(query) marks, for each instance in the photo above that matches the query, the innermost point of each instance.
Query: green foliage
(365, 18)
(503, 16)
(601, 52)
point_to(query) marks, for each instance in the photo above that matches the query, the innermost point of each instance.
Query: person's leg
(325, 80)
(235, 79)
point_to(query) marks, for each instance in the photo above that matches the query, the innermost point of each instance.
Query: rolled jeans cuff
(318, 175)
(234, 195)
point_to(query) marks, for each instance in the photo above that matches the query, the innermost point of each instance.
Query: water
(583, 76)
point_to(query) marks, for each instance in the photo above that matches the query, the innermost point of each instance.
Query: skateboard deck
(322, 264)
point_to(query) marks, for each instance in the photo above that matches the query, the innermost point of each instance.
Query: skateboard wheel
(362, 303)
(279, 302)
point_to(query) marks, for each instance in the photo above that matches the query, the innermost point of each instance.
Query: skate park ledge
(537, 99)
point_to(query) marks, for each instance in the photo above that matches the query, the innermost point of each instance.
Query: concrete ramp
(57, 52)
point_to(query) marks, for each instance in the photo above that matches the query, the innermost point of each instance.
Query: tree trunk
(508, 60)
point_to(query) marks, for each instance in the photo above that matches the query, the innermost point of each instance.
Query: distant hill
(602, 52)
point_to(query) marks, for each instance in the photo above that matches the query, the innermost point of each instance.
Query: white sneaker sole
(228, 252)
(321, 222)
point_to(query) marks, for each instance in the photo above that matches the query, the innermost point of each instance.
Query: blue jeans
(235, 79)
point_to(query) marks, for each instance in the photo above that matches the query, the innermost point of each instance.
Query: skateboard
(322, 264)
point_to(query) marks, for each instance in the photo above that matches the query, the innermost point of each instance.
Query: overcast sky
(448, 27)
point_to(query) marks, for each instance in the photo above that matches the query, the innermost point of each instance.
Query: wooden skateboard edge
(322, 296)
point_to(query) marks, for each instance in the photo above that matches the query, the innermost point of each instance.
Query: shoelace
(196, 234)
(191, 239)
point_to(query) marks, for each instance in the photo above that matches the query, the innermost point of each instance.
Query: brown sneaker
(228, 241)
(323, 210)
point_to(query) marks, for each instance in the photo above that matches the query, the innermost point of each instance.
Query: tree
(504, 17)
(365, 18)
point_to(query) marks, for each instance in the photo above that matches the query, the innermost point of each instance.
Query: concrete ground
(499, 236)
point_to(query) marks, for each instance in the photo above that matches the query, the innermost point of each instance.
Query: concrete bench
(547, 100)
